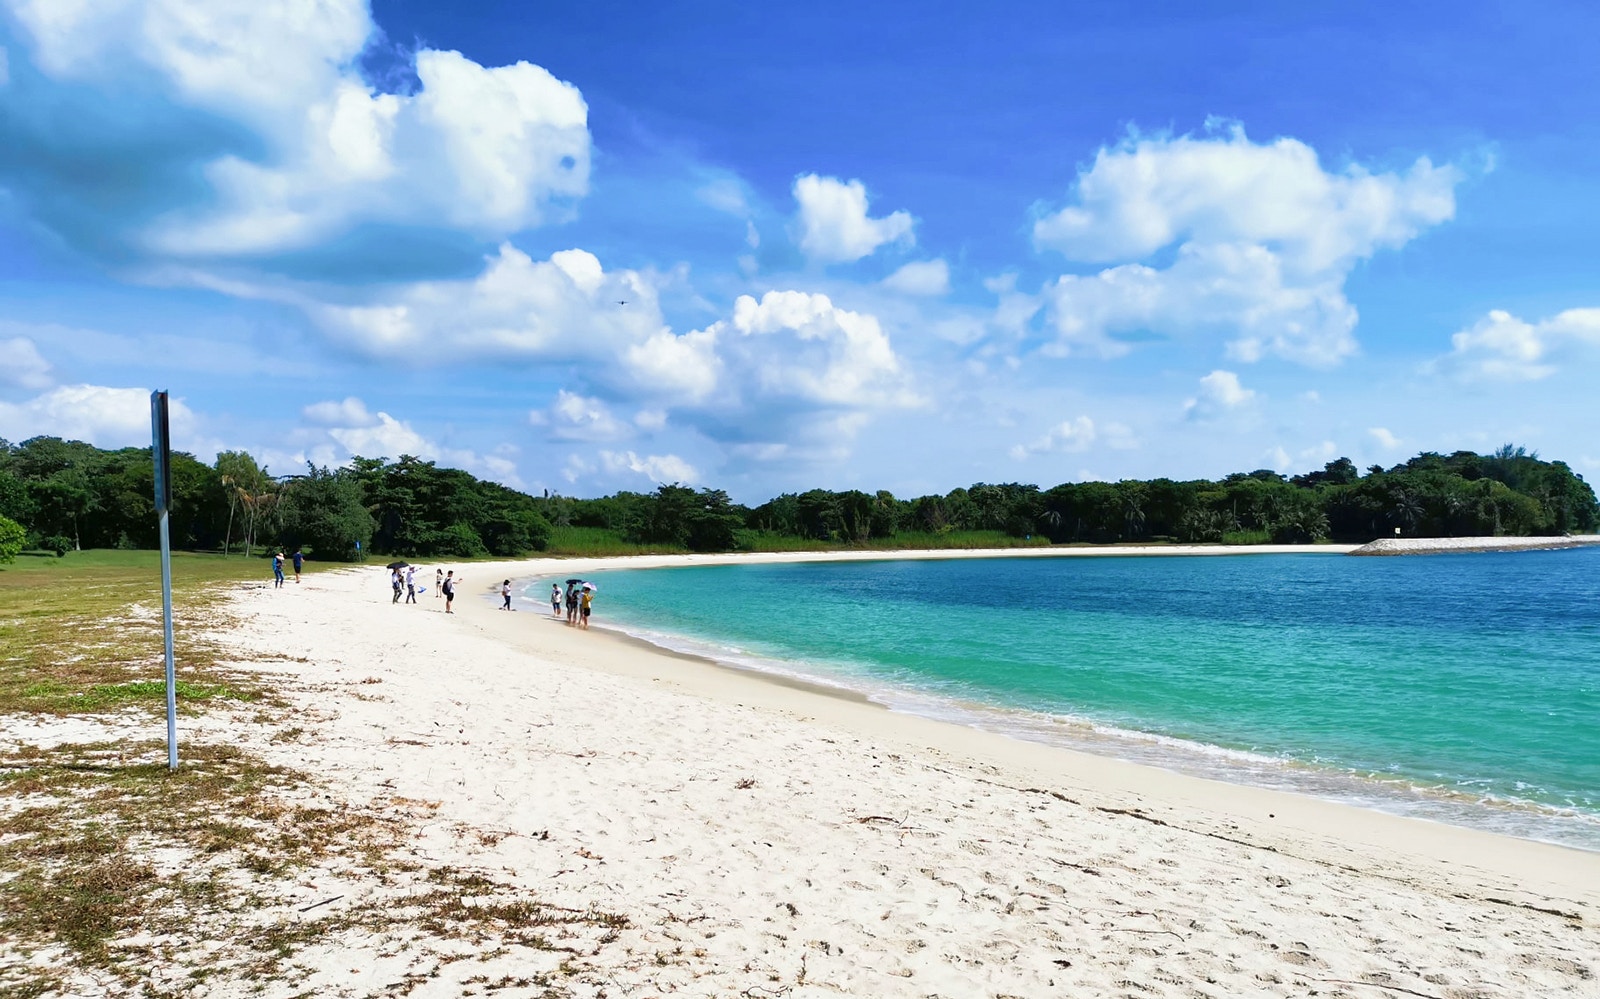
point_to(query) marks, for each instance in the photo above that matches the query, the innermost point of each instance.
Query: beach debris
(318, 905)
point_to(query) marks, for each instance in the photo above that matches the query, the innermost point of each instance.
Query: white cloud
(22, 365)
(567, 308)
(1503, 347)
(1385, 439)
(920, 277)
(573, 417)
(316, 150)
(351, 412)
(791, 345)
(1264, 239)
(659, 468)
(348, 428)
(1220, 392)
(834, 224)
(1077, 435)
(104, 416)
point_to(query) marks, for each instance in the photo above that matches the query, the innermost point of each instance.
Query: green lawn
(82, 633)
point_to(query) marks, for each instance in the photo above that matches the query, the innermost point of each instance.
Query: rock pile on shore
(1437, 546)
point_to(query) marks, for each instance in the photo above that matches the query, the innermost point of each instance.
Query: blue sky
(765, 247)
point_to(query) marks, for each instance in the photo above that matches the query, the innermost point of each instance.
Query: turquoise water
(1464, 688)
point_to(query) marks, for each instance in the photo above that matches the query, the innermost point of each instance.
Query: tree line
(64, 495)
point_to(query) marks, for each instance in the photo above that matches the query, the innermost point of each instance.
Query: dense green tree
(12, 538)
(324, 511)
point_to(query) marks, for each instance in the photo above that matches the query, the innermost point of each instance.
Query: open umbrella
(590, 586)
(571, 581)
(398, 564)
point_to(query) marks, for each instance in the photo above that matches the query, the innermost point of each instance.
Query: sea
(1462, 688)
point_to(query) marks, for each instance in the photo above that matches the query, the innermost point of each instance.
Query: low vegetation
(112, 867)
(64, 495)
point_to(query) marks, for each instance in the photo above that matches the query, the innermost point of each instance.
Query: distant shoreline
(1443, 546)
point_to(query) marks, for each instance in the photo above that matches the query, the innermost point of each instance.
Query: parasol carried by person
(397, 564)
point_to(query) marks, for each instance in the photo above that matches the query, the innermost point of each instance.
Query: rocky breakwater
(1439, 546)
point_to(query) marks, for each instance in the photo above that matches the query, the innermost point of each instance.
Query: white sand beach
(763, 839)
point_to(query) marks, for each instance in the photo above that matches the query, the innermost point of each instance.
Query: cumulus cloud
(351, 412)
(573, 417)
(264, 106)
(344, 429)
(566, 308)
(1384, 438)
(104, 416)
(920, 277)
(1503, 347)
(658, 468)
(1262, 239)
(1075, 435)
(802, 349)
(1220, 392)
(21, 364)
(834, 224)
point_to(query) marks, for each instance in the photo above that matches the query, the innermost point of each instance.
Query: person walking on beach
(583, 610)
(395, 583)
(505, 595)
(411, 584)
(438, 583)
(299, 562)
(277, 570)
(555, 600)
(449, 588)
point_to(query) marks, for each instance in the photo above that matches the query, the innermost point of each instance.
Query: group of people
(277, 567)
(405, 584)
(579, 600)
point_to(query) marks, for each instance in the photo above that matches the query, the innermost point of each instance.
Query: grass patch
(599, 542)
(82, 633)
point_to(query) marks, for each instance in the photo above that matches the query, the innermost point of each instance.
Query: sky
(768, 247)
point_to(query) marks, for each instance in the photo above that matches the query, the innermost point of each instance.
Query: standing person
(555, 600)
(277, 570)
(572, 603)
(586, 599)
(299, 561)
(395, 584)
(438, 583)
(411, 584)
(449, 588)
(505, 595)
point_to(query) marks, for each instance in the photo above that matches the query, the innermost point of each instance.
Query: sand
(1443, 546)
(765, 839)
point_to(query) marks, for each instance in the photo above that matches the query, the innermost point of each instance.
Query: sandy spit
(1441, 546)
(765, 840)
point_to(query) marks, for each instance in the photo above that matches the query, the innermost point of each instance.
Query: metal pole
(161, 453)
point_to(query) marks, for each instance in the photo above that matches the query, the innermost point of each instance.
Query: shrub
(11, 538)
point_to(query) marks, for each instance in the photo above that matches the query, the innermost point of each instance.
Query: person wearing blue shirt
(299, 560)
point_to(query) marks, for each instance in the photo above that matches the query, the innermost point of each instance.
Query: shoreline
(762, 839)
(1298, 818)
(1523, 820)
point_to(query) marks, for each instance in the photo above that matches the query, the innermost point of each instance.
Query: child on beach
(299, 560)
(586, 600)
(438, 583)
(555, 599)
(505, 595)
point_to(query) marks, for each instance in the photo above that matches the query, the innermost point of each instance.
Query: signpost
(161, 453)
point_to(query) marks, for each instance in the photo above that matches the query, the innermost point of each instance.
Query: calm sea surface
(1463, 688)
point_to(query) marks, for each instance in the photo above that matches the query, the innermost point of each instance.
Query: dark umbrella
(397, 565)
(571, 581)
